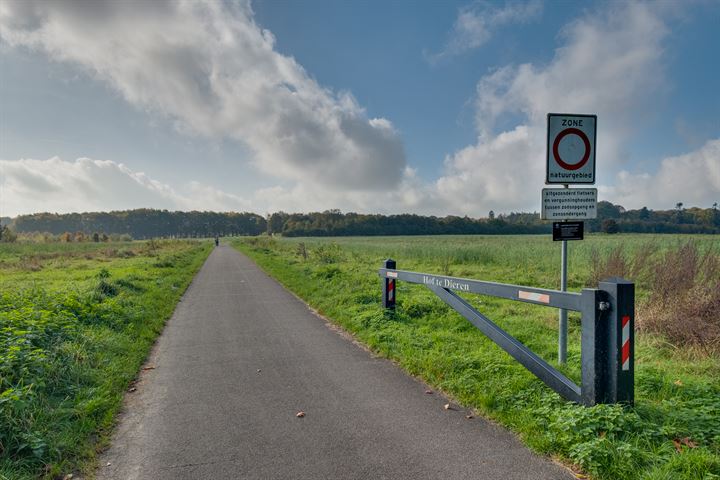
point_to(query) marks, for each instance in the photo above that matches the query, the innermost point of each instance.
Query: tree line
(614, 218)
(335, 223)
(611, 219)
(149, 223)
(143, 223)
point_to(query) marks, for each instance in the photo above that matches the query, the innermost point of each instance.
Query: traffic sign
(571, 148)
(568, 231)
(569, 203)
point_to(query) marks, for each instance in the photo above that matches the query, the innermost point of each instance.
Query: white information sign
(569, 203)
(571, 148)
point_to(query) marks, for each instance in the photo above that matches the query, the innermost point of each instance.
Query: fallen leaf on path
(132, 389)
(108, 464)
(149, 367)
(577, 472)
(258, 370)
(679, 442)
(469, 417)
(300, 414)
(447, 406)
(428, 392)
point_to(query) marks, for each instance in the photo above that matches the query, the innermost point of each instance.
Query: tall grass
(682, 283)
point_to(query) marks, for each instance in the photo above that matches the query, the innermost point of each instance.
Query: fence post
(594, 347)
(621, 340)
(608, 338)
(388, 286)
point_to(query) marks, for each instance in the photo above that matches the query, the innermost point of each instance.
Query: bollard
(388, 286)
(608, 343)
(621, 340)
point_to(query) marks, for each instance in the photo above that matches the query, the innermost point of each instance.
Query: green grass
(76, 323)
(673, 431)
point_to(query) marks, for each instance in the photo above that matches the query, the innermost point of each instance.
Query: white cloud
(693, 179)
(56, 185)
(476, 24)
(494, 175)
(210, 68)
(200, 196)
(98, 185)
(610, 64)
(409, 194)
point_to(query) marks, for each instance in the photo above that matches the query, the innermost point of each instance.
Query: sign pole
(562, 336)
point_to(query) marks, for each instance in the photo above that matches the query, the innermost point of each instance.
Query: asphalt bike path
(241, 356)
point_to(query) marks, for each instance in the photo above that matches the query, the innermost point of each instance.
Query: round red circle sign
(556, 145)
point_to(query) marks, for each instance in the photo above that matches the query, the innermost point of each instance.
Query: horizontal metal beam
(537, 296)
(539, 367)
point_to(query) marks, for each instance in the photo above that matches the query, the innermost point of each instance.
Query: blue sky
(427, 107)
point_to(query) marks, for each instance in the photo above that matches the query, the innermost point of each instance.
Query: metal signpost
(570, 159)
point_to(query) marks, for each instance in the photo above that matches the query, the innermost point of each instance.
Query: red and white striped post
(621, 341)
(389, 284)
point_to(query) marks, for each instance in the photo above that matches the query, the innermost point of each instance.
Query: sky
(436, 108)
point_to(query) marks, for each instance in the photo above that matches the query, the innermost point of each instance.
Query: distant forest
(611, 219)
(148, 223)
(143, 223)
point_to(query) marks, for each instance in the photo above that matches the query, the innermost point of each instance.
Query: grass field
(673, 431)
(76, 323)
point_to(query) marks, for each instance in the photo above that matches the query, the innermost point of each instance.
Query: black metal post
(608, 343)
(621, 340)
(594, 346)
(388, 286)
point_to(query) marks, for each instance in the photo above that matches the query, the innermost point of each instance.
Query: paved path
(241, 356)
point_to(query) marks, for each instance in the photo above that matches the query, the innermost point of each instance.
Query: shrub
(302, 251)
(683, 304)
(610, 226)
(329, 253)
(618, 263)
(7, 235)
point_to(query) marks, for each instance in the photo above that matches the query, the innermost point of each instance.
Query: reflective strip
(391, 290)
(626, 342)
(535, 297)
(391, 274)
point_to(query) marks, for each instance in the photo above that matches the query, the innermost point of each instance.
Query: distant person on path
(217, 241)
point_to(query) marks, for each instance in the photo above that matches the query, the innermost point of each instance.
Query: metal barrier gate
(607, 340)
